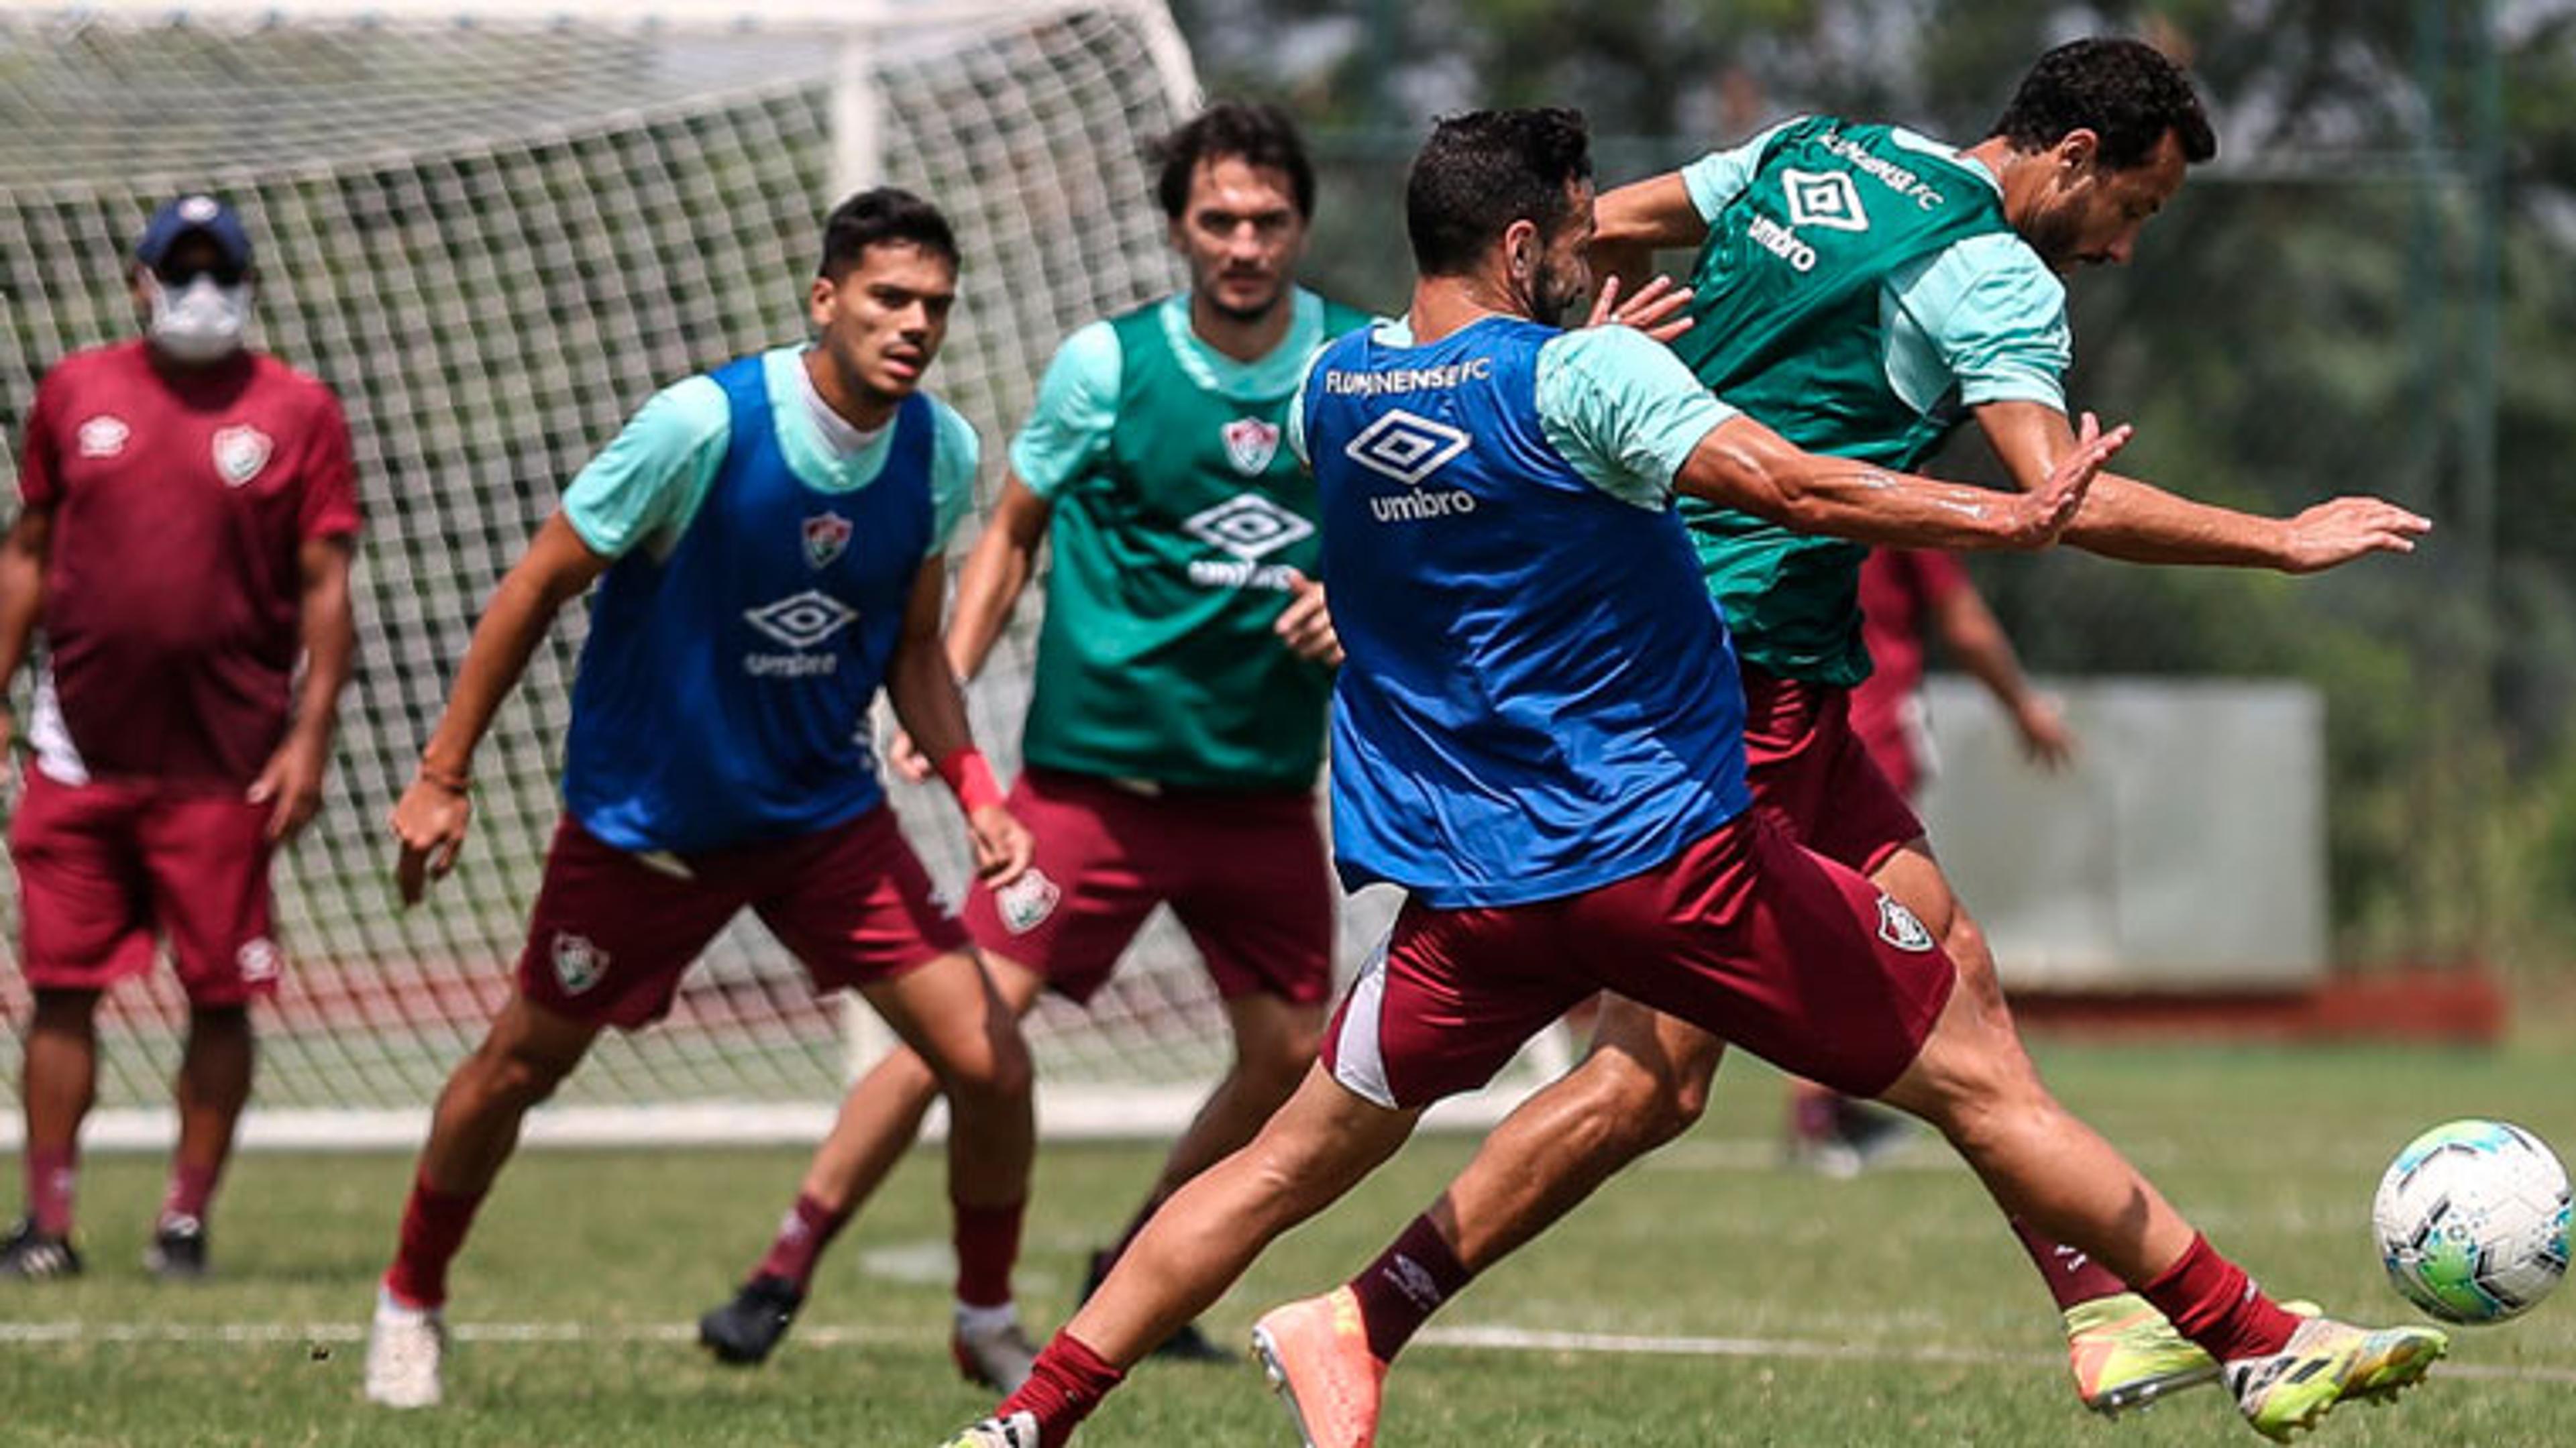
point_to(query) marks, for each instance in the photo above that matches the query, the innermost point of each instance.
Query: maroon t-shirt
(180, 502)
(1898, 587)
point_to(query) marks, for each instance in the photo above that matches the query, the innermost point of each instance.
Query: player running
(770, 535)
(1863, 290)
(185, 523)
(1538, 734)
(1178, 720)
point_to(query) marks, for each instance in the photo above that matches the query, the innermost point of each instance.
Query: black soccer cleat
(34, 1256)
(744, 1331)
(1189, 1345)
(178, 1251)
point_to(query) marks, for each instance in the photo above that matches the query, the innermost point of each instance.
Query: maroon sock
(2073, 1277)
(191, 1189)
(807, 1229)
(1405, 1285)
(52, 1176)
(988, 1246)
(1067, 1383)
(433, 1228)
(2211, 1301)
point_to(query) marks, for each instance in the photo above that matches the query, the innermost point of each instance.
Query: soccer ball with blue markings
(2472, 1221)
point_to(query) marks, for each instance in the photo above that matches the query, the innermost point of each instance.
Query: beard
(1257, 311)
(2053, 236)
(1551, 296)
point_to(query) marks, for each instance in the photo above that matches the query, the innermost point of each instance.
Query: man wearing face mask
(183, 539)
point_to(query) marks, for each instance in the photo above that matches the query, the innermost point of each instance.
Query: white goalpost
(496, 229)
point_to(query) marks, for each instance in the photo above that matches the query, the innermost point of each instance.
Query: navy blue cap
(199, 213)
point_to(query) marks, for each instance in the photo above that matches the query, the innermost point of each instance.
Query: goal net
(495, 235)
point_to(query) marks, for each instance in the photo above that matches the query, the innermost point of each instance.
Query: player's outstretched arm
(22, 599)
(2140, 523)
(429, 820)
(290, 783)
(932, 713)
(1744, 465)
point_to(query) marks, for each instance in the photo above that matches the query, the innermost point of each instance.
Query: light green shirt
(1615, 402)
(1985, 313)
(644, 488)
(1077, 404)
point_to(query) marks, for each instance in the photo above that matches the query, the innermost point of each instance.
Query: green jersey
(1859, 291)
(1177, 520)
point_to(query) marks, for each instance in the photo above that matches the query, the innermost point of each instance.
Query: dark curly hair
(1258, 135)
(1484, 170)
(2125, 91)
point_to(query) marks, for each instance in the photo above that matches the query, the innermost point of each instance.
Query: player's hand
(2339, 531)
(1655, 310)
(905, 758)
(291, 785)
(2041, 514)
(1306, 625)
(1002, 844)
(2045, 738)
(429, 827)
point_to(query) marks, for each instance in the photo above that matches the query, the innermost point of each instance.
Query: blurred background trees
(2372, 290)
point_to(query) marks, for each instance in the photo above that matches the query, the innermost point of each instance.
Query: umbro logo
(1824, 198)
(802, 620)
(1405, 447)
(103, 436)
(1248, 526)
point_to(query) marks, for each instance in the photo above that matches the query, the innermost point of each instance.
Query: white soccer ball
(2472, 1221)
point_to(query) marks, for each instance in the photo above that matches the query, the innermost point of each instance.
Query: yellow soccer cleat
(2126, 1355)
(2326, 1363)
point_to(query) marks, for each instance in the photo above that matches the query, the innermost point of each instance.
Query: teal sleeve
(1717, 178)
(651, 476)
(1997, 317)
(1077, 407)
(1297, 418)
(1624, 410)
(954, 460)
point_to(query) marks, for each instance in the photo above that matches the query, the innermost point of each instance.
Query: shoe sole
(2147, 1392)
(1268, 1353)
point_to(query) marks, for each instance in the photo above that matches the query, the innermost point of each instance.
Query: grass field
(1723, 1300)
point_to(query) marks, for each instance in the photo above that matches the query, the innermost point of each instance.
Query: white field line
(1489, 1339)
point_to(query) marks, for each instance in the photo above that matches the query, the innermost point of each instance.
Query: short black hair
(1484, 170)
(877, 217)
(1256, 134)
(2125, 91)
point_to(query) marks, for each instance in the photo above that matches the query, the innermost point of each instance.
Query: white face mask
(201, 322)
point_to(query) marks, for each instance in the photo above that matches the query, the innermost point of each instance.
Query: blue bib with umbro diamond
(723, 692)
(1539, 696)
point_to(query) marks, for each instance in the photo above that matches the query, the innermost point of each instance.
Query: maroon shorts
(1815, 780)
(1754, 939)
(101, 865)
(613, 931)
(1245, 873)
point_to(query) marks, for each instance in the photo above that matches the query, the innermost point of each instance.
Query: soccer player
(1182, 677)
(1907, 595)
(1864, 290)
(183, 538)
(771, 536)
(1911, 596)
(1538, 734)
